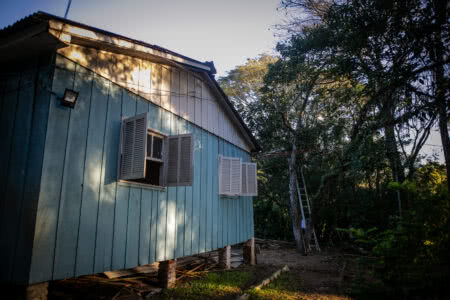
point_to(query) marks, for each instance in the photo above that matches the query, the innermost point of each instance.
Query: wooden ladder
(305, 209)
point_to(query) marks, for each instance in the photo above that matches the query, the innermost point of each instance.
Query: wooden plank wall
(24, 101)
(181, 92)
(89, 223)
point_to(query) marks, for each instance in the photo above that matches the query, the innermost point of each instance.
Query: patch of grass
(286, 286)
(212, 286)
(219, 285)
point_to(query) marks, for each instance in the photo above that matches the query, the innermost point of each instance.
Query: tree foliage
(352, 98)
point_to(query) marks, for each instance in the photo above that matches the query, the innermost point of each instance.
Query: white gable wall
(182, 92)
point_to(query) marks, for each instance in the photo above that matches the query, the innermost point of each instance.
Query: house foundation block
(167, 273)
(225, 257)
(37, 291)
(249, 252)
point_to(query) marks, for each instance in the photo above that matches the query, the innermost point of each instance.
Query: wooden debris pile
(140, 282)
(272, 244)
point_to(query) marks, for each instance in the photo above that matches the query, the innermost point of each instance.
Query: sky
(224, 31)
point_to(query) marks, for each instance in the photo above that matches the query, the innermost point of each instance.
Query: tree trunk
(294, 210)
(392, 153)
(441, 84)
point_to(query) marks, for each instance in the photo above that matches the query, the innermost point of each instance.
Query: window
(249, 181)
(149, 157)
(237, 178)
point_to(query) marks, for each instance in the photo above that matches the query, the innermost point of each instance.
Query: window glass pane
(149, 145)
(157, 147)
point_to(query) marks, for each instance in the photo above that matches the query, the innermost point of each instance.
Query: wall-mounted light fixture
(70, 98)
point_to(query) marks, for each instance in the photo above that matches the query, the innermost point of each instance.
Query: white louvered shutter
(133, 147)
(179, 160)
(249, 180)
(224, 175)
(235, 176)
(186, 167)
(244, 180)
(229, 176)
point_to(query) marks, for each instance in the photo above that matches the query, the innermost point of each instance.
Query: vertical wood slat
(52, 171)
(171, 205)
(209, 192)
(122, 197)
(144, 227)
(221, 205)
(153, 227)
(156, 84)
(32, 176)
(181, 198)
(196, 200)
(16, 142)
(184, 95)
(134, 208)
(198, 102)
(215, 192)
(188, 211)
(72, 179)
(92, 177)
(204, 189)
(191, 98)
(108, 185)
(165, 87)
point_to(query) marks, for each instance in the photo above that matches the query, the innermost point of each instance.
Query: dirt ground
(320, 274)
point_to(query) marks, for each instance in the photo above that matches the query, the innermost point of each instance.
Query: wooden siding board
(221, 205)
(154, 117)
(153, 226)
(209, 193)
(144, 230)
(187, 243)
(171, 237)
(203, 192)
(132, 238)
(52, 171)
(191, 98)
(92, 177)
(161, 226)
(165, 88)
(33, 174)
(215, 191)
(175, 92)
(180, 126)
(196, 200)
(72, 180)
(132, 246)
(122, 197)
(156, 84)
(120, 228)
(6, 134)
(16, 170)
(108, 185)
(184, 95)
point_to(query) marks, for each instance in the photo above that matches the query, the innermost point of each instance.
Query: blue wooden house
(114, 153)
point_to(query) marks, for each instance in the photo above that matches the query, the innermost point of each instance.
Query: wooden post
(38, 291)
(167, 273)
(249, 252)
(225, 257)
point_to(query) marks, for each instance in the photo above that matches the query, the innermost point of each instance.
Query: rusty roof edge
(44, 16)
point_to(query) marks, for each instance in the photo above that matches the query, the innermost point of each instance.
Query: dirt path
(319, 274)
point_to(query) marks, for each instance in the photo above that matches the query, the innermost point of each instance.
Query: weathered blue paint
(75, 217)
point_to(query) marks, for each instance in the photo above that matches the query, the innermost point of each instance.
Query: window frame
(164, 160)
